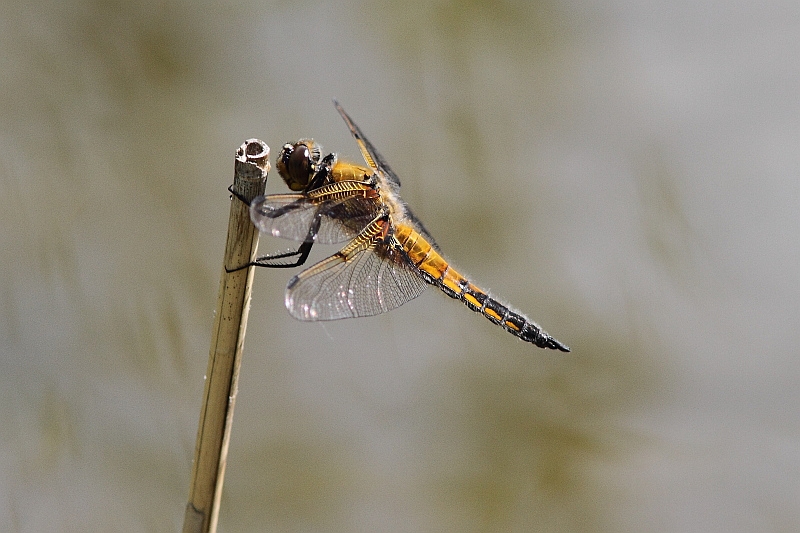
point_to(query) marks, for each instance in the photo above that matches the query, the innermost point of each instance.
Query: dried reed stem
(230, 321)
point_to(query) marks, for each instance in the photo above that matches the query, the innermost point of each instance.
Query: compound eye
(296, 165)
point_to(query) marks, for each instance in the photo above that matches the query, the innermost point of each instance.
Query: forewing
(290, 216)
(372, 281)
(371, 155)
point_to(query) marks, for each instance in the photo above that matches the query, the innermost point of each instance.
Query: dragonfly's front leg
(277, 260)
(320, 199)
(301, 253)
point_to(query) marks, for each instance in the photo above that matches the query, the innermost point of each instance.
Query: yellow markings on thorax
(343, 171)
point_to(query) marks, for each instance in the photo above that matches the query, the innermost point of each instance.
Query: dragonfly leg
(266, 261)
(301, 253)
(238, 196)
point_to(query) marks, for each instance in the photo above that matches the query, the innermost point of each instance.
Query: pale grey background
(624, 172)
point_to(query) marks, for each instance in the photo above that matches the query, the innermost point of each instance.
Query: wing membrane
(290, 216)
(371, 281)
(371, 155)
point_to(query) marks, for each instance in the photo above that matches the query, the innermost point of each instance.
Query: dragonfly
(389, 257)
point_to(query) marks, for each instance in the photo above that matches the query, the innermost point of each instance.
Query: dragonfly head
(297, 163)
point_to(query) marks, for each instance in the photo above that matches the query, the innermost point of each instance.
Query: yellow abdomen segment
(428, 260)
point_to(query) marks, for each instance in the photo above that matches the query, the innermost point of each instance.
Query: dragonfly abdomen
(437, 271)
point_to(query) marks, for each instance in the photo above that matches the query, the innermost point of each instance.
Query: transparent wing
(371, 155)
(379, 164)
(372, 281)
(290, 216)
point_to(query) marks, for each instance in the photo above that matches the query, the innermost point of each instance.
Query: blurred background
(625, 173)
